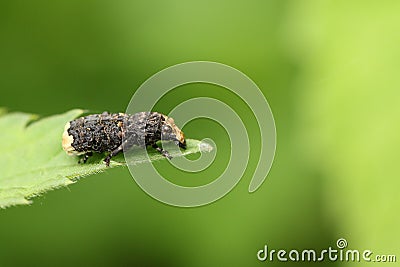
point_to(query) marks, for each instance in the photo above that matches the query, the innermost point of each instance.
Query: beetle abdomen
(98, 133)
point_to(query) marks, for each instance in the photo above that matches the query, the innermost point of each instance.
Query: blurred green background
(329, 69)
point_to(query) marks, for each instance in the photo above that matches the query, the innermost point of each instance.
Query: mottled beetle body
(117, 132)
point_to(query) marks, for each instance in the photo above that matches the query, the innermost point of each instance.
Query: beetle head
(170, 131)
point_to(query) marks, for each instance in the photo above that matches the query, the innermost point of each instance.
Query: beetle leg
(162, 151)
(118, 150)
(112, 154)
(85, 157)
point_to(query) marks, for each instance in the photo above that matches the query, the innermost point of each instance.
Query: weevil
(117, 132)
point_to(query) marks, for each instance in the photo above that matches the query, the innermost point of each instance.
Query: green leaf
(32, 160)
